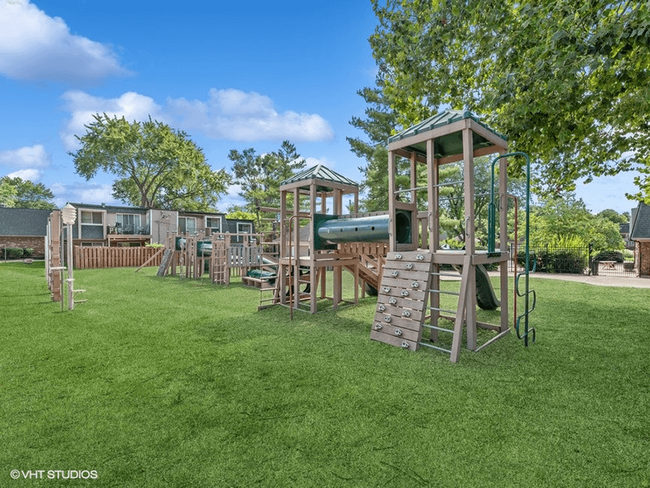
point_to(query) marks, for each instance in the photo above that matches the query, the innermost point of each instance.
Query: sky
(233, 75)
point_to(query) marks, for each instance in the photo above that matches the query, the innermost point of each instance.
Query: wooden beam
(430, 134)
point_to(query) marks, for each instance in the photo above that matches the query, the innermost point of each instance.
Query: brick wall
(642, 257)
(37, 243)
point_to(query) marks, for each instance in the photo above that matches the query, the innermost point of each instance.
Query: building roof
(323, 173)
(448, 144)
(641, 223)
(23, 221)
(111, 208)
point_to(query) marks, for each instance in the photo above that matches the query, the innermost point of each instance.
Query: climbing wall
(402, 299)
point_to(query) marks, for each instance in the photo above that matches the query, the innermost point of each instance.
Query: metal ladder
(434, 288)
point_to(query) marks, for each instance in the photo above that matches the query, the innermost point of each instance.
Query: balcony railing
(128, 230)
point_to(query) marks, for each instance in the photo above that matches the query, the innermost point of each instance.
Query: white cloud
(30, 174)
(35, 46)
(311, 162)
(247, 116)
(25, 157)
(83, 193)
(234, 190)
(228, 114)
(83, 106)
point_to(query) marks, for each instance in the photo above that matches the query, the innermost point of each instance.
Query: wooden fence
(115, 257)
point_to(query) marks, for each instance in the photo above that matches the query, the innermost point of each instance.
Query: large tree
(565, 219)
(260, 175)
(16, 192)
(156, 166)
(567, 82)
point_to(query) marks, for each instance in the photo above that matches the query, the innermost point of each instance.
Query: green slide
(485, 296)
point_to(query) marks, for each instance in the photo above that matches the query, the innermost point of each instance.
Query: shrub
(154, 244)
(609, 256)
(572, 261)
(14, 252)
(28, 252)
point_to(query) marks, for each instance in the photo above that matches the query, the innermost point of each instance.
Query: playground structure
(408, 279)
(217, 256)
(396, 254)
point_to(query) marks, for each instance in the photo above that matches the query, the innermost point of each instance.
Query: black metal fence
(575, 260)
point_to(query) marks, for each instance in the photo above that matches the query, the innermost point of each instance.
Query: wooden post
(312, 252)
(55, 252)
(337, 284)
(296, 248)
(415, 227)
(392, 234)
(433, 176)
(323, 271)
(470, 238)
(503, 213)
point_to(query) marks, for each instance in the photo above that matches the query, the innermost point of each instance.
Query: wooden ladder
(219, 269)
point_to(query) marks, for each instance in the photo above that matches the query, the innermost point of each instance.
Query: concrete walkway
(619, 281)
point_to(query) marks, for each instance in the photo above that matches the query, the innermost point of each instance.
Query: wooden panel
(415, 266)
(404, 284)
(398, 332)
(400, 302)
(393, 340)
(404, 322)
(408, 256)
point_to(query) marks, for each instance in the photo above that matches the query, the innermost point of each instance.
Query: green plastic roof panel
(449, 144)
(320, 172)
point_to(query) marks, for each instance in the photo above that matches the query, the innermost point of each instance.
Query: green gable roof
(449, 144)
(320, 172)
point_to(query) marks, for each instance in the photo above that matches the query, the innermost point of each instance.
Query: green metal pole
(492, 234)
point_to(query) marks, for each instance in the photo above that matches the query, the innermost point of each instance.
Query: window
(186, 225)
(214, 224)
(127, 223)
(91, 218)
(244, 228)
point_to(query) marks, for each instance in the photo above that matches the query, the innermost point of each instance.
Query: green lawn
(168, 382)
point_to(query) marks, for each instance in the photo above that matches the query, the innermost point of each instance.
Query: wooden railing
(115, 257)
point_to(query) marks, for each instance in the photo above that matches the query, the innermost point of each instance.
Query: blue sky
(232, 74)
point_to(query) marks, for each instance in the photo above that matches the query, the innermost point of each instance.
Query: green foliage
(19, 193)
(7, 193)
(573, 261)
(235, 212)
(565, 219)
(613, 216)
(609, 256)
(567, 83)
(156, 166)
(154, 244)
(260, 177)
(14, 252)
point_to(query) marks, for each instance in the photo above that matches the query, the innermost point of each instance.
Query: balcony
(127, 230)
(119, 235)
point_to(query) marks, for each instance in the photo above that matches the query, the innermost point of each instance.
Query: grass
(167, 382)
